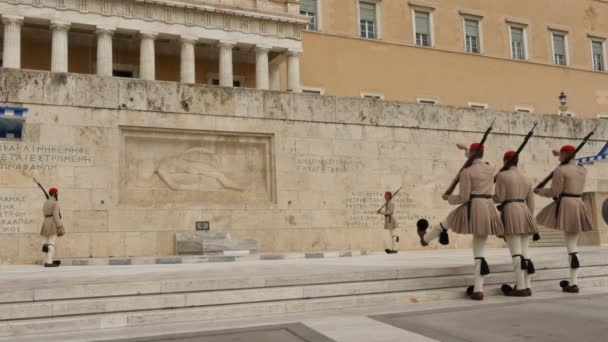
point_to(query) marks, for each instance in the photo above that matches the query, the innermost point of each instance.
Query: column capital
(105, 30)
(226, 44)
(12, 19)
(293, 52)
(263, 48)
(148, 34)
(60, 25)
(189, 39)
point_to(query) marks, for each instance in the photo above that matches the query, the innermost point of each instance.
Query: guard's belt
(558, 199)
(472, 197)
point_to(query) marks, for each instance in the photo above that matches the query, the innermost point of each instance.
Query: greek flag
(603, 155)
(13, 111)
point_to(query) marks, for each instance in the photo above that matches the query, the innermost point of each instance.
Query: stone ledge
(40, 87)
(227, 256)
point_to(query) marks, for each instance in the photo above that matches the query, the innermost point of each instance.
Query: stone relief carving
(186, 168)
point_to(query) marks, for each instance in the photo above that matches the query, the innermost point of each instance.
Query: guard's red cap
(476, 146)
(52, 191)
(388, 193)
(509, 154)
(567, 148)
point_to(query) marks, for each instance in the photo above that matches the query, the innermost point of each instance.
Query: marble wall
(138, 161)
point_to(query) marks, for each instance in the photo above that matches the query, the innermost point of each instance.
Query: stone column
(275, 77)
(293, 71)
(261, 67)
(12, 41)
(59, 54)
(147, 58)
(188, 74)
(104, 51)
(226, 76)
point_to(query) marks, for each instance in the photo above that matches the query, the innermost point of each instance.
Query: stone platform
(76, 299)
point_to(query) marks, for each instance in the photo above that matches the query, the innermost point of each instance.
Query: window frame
(427, 101)
(567, 113)
(524, 109)
(428, 11)
(313, 90)
(566, 48)
(371, 94)
(477, 105)
(318, 17)
(603, 42)
(524, 29)
(479, 30)
(377, 23)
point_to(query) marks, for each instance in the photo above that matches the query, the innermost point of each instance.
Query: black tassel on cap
(485, 268)
(574, 263)
(444, 238)
(422, 224)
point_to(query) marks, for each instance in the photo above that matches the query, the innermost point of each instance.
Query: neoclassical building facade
(221, 42)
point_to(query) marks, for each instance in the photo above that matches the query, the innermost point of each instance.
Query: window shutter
(368, 11)
(309, 6)
(471, 28)
(423, 23)
(597, 48)
(559, 44)
(517, 34)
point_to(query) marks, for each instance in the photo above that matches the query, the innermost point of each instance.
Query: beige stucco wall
(394, 66)
(312, 168)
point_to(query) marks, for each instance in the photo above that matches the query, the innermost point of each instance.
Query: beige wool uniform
(389, 219)
(568, 214)
(52, 221)
(517, 216)
(477, 179)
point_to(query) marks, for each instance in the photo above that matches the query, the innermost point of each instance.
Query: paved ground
(580, 318)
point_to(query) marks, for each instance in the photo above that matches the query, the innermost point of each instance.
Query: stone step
(44, 326)
(196, 294)
(222, 256)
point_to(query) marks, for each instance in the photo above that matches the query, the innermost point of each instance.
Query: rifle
(41, 188)
(395, 194)
(568, 158)
(510, 161)
(469, 160)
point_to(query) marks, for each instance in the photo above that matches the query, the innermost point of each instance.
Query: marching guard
(390, 224)
(476, 214)
(515, 196)
(52, 227)
(567, 212)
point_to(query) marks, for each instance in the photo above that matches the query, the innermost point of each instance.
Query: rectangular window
(471, 36)
(422, 21)
(597, 54)
(368, 20)
(524, 109)
(559, 49)
(375, 96)
(423, 100)
(478, 105)
(518, 43)
(122, 73)
(309, 8)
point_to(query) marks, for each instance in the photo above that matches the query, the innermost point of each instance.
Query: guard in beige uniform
(515, 196)
(476, 215)
(567, 212)
(52, 227)
(390, 224)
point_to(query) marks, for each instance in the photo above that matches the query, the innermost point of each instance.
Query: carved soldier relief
(193, 168)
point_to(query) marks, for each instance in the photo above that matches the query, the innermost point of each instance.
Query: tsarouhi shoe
(51, 265)
(529, 291)
(394, 251)
(566, 287)
(509, 291)
(57, 262)
(477, 296)
(388, 251)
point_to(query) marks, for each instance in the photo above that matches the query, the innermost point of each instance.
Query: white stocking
(51, 245)
(479, 246)
(515, 247)
(394, 240)
(525, 242)
(434, 232)
(572, 247)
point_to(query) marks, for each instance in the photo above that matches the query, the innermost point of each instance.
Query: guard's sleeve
(557, 184)
(530, 200)
(464, 190)
(56, 215)
(499, 189)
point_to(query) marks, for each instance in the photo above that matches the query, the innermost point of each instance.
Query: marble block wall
(138, 161)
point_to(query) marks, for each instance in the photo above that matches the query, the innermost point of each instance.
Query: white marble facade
(264, 26)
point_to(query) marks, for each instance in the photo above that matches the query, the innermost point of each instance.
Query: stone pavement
(331, 297)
